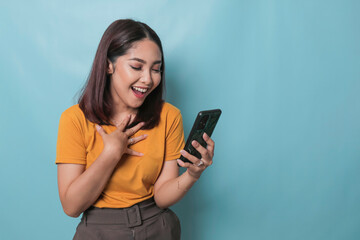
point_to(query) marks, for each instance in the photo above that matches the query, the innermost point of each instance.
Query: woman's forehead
(146, 50)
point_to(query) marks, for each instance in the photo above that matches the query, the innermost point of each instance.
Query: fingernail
(179, 162)
(182, 151)
(141, 154)
(195, 143)
(145, 135)
(97, 127)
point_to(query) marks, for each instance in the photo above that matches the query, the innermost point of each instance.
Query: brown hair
(95, 100)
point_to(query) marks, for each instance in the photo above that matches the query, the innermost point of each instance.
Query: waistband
(131, 217)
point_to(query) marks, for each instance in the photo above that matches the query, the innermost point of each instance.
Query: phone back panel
(204, 122)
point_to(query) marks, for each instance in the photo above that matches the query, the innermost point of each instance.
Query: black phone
(204, 122)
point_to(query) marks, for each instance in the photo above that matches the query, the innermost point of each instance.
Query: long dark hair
(95, 100)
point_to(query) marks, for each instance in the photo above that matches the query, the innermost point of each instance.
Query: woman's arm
(80, 188)
(170, 187)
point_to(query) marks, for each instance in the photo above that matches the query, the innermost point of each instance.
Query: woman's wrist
(109, 156)
(185, 182)
(192, 176)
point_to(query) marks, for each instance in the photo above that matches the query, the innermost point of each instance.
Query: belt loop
(85, 218)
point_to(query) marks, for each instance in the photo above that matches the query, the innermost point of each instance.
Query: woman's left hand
(197, 166)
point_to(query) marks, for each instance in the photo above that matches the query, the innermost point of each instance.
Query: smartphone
(204, 122)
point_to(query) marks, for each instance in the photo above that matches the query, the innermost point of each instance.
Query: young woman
(118, 149)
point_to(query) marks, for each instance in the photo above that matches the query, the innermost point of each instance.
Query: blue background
(285, 74)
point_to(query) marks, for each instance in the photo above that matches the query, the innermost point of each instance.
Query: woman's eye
(135, 68)
(157, 70)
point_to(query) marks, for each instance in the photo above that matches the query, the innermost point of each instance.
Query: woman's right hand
(116, 143)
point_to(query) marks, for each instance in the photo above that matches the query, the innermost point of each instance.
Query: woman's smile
(139, 92)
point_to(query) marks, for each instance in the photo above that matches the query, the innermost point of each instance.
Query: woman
(118, 149)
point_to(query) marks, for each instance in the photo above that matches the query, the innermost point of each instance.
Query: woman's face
(135, 75)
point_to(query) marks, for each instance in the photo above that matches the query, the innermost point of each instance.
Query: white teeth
(143, 90)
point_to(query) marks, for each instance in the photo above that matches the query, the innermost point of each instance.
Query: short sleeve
(70, 146)
(174, 138)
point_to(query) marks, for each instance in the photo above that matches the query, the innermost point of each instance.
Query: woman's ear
(110, 69)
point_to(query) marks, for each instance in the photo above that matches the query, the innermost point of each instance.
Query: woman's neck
(120, 113)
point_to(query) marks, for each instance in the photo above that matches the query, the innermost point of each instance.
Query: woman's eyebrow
(143, 61)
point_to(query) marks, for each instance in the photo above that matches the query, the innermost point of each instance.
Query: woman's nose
(146, 78)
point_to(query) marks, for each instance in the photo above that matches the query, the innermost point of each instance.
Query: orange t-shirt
(134, 177)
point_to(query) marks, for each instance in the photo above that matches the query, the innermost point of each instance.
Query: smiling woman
(134, 76)
(118, 149)
(126, 45)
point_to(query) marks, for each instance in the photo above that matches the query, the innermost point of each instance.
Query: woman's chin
(136, 105)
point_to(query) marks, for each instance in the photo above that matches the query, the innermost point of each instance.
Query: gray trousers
(141, 221)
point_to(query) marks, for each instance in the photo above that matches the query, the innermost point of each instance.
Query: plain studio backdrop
(285, 73)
